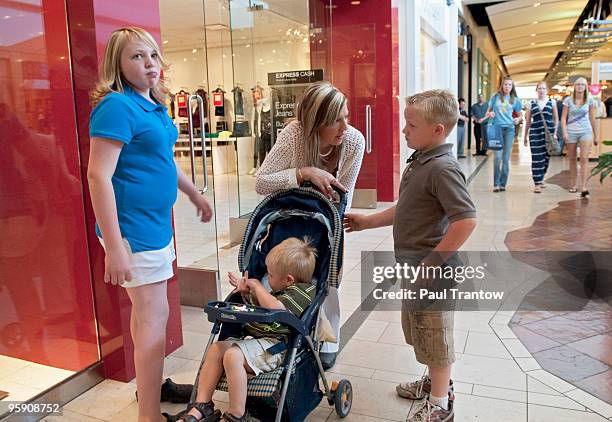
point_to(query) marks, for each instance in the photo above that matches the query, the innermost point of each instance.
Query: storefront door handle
(191, 141)
(368, 128)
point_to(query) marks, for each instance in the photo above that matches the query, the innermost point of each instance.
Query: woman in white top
(322, 148)
(578, 125)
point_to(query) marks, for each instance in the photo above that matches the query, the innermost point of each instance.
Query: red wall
(359, 51)
(46, 298)
(91, 22)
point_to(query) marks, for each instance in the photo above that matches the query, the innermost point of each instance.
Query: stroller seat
(291, 391)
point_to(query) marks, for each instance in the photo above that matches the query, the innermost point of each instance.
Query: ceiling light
(533, 35)
(532, 43)
(248, 45)
(195, 50)
(536, 4)
(356, 3)
(185, 59)
(165, 42)
(534, 22)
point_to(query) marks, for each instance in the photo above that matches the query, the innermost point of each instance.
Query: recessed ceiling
(530, 34)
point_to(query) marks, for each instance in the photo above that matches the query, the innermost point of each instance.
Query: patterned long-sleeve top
(278, 170)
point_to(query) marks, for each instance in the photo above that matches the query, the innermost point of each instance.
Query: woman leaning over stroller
(541, 117)
(578, 124)
(322, 148)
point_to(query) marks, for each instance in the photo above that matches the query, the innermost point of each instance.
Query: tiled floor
(575, 345)
(496, 377)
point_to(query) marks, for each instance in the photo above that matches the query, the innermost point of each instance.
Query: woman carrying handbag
(541, 134)
(501, 106)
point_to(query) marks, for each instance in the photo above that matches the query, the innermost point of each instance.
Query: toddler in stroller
(266, 338)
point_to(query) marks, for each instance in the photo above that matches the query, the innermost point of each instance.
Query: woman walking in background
(578, 123)
(501, 106)
(541, 118)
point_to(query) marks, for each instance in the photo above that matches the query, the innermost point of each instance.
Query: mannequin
(241, 125)
(266, 131)
(257, 93)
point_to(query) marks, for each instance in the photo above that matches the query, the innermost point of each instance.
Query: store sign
(605, 67)
(287, 87)
(217, 99)
(595, 89)
(605, 71)
(294, 77)
(181, 100)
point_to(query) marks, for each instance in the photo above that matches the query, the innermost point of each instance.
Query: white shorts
(574, 138)
(149, 267)
(254, 351)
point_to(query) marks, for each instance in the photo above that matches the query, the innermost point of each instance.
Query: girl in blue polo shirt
(501, 106)
(133, 181)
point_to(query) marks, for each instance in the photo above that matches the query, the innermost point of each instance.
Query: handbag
(552, 145)
(495, 139)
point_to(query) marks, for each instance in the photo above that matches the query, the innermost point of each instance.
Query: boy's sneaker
(420, 389)
(429, 412)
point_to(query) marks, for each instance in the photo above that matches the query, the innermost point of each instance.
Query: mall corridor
(496, 375)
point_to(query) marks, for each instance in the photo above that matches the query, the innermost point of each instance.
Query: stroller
(291, 391)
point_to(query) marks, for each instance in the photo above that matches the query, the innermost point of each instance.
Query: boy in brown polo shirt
(433, 217)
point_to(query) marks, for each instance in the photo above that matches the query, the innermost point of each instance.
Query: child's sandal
(228, 417)
(537, 189)
(209, 414)
(573, 190)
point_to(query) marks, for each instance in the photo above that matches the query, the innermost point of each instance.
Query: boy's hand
(355, 222)
(240, 283)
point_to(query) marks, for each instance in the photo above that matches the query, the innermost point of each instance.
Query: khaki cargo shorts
(431, 335)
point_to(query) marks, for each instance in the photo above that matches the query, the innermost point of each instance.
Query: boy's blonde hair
(294, 257)
(111, 78)
(436, 106)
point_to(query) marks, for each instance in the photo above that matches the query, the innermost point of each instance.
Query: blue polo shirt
(503, 109)
(145, 180)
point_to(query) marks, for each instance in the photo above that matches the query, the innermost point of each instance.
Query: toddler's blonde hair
(294, 257)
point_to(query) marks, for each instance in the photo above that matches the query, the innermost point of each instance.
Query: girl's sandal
(573, 190)
(537, 189)
(585, 194)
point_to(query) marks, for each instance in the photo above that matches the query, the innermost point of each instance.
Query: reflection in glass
(47, 326)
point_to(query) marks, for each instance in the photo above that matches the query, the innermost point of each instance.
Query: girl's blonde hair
(294, 257)
(542, 83)
(111, 78)
(320, 106)
(513, 95)
(585, 96)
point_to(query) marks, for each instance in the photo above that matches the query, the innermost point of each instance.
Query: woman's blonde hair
(111, 78)
(320, 106)
(585, 97)
(294, 257)
(513, 95)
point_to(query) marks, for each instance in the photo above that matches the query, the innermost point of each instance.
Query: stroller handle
(241, 313)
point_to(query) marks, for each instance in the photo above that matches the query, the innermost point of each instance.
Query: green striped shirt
(296, 299)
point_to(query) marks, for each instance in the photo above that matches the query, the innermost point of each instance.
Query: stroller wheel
(343, 398)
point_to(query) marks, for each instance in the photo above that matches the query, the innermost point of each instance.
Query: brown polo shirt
(433, 193)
